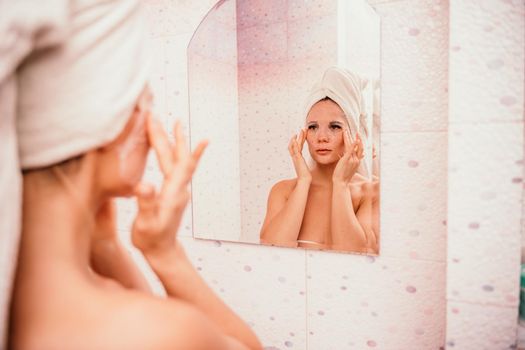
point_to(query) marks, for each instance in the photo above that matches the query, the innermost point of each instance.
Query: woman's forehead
(325, 110)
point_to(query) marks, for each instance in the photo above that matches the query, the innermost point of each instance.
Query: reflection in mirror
(287, 92)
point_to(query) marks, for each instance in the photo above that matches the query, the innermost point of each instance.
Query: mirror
(257, 73)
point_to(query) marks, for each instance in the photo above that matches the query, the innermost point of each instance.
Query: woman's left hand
(159, 214)
(349, 163)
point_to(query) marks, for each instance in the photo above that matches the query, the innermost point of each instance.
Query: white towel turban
(79, 95)
(344, 88)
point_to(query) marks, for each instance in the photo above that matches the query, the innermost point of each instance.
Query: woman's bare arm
(368, 215)
(347, 232)
(155, 228)
(285, 209)
(182, 282)
(284, 214)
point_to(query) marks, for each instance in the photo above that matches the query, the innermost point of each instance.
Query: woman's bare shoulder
(284, 186)
(141, 321)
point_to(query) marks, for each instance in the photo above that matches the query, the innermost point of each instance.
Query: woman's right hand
(159, 214)
(295, 148)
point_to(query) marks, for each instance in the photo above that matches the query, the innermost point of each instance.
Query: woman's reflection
(332, 204)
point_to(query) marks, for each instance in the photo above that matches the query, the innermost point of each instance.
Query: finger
(199, 150)
(360, 147)
(290, 147)
(191, 163)
(346, 139)
(181, 147)
(302, 138)
(146, 199)
(159, 140)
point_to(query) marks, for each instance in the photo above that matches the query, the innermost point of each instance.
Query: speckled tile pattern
(264, 285)
(368, 302)
(485, 181)
(413, 195)
(414, 64)
(480, 327)
(484, 191)
(317, 300)
(486, 61)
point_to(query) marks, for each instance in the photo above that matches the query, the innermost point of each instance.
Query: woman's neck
(322, 173)
(58, 218)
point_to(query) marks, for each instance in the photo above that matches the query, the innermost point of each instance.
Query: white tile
(253, 12)
(262, 43)
(414, 65)
(157, 80)
(357, 302)
(487, 51)
(264, 285)
(484, 211)
(413, 183)
(310, 9)
(312, 38)
(480, 327)
(172, 17)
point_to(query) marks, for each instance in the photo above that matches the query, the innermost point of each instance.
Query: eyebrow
(332, 121)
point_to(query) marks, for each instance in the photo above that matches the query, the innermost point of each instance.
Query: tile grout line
(482, 304)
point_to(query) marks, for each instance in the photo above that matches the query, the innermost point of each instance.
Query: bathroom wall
(485, 172)
(297, 299)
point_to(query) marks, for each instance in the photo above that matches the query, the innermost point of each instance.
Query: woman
(330, 206)
(84, 140)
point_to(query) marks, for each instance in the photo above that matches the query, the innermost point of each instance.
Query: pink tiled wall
(297, 299)
(485, 172)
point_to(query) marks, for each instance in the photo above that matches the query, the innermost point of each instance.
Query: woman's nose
(323, 135)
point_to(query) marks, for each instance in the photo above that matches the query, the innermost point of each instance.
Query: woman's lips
(323, 151)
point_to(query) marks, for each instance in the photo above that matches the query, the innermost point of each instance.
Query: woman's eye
(312, 127)
(335, 126)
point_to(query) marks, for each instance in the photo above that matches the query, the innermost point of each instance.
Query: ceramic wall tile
(310, 9)
(312, 38)
(358, 302)
(264, 285)
(414, 60)
(484, 212)
(263, 43)
(487, 50)
(172, 17)
(413, 195)
(254, 13)
(480, 327)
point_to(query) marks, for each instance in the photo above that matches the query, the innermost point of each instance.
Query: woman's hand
(295, 148)
(349, 163)
(159, 214)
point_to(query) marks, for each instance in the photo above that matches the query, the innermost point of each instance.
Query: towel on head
(346, 89)
(79, 95)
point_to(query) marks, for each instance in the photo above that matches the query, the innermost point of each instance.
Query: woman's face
(127, 155)
(324, 132)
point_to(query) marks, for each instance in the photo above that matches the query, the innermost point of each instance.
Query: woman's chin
(325, 161)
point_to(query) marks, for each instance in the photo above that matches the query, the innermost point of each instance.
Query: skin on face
(324, 132)
(123, 161)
